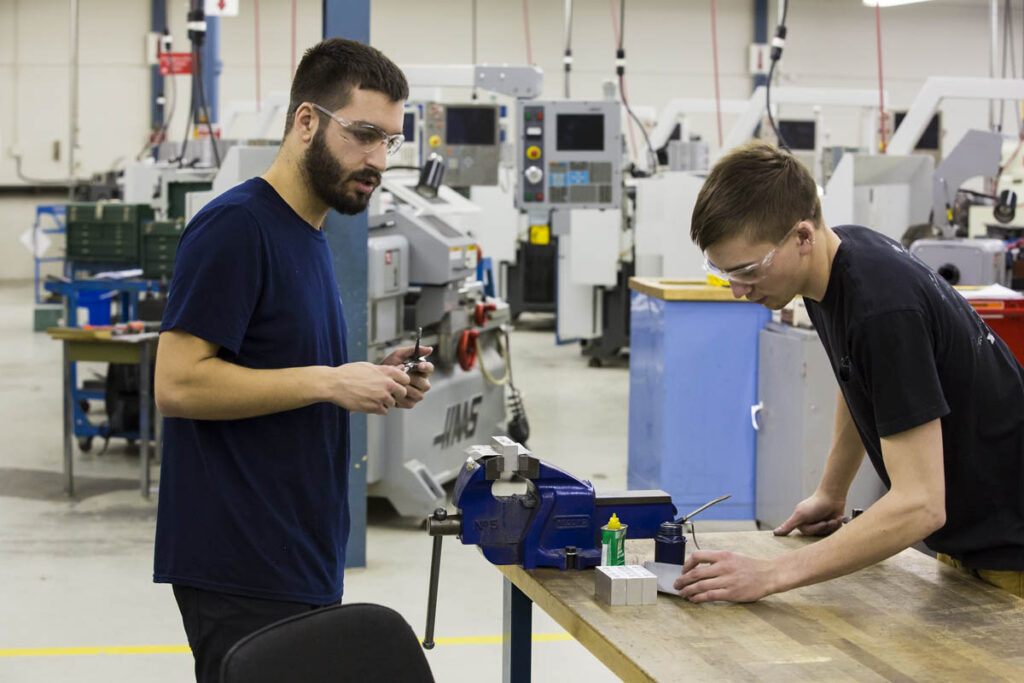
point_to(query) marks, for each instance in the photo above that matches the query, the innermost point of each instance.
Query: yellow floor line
(184, 649)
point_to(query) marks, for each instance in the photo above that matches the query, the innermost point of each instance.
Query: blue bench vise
(556, 523)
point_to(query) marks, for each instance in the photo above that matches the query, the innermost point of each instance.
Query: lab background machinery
(137, 252)
(569, 186)
(468, 138)
(423, 275)
(904, 195)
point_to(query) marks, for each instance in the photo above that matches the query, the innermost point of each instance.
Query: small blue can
(670, 544)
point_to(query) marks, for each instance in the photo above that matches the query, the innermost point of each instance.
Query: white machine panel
(594, 247)
(664, 205)
(569, 155)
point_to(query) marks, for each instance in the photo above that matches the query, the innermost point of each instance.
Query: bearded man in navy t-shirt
(252, 373)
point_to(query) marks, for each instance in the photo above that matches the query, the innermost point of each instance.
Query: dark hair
(757, 191)
(331, 68)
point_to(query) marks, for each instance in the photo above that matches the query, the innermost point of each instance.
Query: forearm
(215, 389)
(845, 456)
(892, 524)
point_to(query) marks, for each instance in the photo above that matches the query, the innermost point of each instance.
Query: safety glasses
(366, 136)
(751, 273)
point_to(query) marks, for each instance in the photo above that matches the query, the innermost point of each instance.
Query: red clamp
(481, 315)
(467, 349)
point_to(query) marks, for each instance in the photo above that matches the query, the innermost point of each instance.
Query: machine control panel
(467, 137)
(569, 155)
(411, 151)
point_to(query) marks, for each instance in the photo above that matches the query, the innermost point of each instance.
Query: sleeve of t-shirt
(894, 355)
(217, 277)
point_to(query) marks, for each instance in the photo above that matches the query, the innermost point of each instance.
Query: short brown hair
(757, 191)
(331, 68)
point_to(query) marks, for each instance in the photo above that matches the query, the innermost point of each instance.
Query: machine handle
(754, 410)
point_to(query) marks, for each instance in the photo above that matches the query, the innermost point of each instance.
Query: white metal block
(610, 585)
(634, 587)
(643, 588)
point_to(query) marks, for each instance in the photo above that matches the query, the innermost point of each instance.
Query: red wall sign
(175, 63)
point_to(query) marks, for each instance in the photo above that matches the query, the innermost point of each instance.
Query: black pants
(216, 621)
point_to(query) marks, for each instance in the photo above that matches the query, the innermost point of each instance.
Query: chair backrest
(358, 642)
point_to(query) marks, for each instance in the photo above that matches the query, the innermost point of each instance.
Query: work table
(906, 618)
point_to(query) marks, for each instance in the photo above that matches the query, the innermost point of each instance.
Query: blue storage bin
(97, 303)
(692, 383)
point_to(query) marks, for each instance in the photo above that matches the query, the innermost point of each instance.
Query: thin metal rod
(568, 45)
(435, 570)
(993, 8)
(702, 508)
(73, 99)
(473, 36)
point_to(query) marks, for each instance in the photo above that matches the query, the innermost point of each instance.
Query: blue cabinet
(692, 384)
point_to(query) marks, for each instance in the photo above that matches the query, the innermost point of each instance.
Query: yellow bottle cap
(614, 522)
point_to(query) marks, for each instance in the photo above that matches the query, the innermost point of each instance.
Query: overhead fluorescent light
(891, 3)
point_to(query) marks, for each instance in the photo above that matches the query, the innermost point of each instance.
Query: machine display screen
(929, 139)
(799, 135)
(409, 126)
(470, 126)
(580, 133)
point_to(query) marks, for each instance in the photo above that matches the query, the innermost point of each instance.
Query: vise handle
(439, 525)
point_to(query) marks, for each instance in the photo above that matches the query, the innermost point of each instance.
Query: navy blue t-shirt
(258, 506)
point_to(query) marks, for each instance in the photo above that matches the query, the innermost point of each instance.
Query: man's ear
(305, 122)
(806, 233)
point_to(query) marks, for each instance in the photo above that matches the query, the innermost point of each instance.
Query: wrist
(831, 493)
(780, 575)
(320, 384)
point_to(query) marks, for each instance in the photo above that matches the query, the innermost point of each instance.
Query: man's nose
(739, 290)
(378, 158)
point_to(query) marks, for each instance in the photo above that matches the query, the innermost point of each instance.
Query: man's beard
(329, 180)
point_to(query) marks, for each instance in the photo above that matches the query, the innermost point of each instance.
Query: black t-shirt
(908, 349)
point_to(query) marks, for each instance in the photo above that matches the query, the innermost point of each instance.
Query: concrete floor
(77, 573)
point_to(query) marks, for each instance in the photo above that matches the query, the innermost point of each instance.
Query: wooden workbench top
(907, 618)
(682, 290)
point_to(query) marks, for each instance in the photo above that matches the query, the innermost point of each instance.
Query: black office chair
(361, 643)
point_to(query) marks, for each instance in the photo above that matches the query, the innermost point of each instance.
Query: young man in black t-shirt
(926, 388)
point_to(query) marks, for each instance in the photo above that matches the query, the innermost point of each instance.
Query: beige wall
(668, 44)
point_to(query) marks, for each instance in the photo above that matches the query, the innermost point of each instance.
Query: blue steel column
(212, 67)
(517, 635)
(347, 236)
(760, 33)
(157, 24)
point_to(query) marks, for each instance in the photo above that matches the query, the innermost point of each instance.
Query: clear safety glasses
(751, 273)
(366, 136)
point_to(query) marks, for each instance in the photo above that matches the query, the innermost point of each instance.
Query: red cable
(881, 89)
(629, 122)
(615, 23)
(625, 95)
(714, 54)
(295, 4)
(526, 30)
(256, 44)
